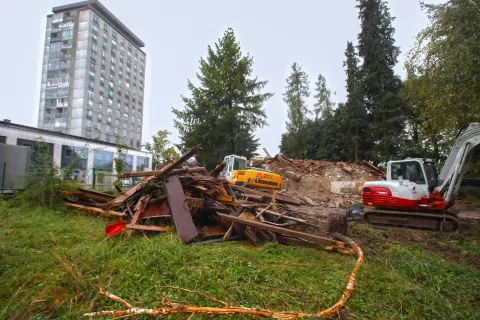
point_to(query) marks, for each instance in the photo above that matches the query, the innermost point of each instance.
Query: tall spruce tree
(322, 96)
(226, 107)
(355, 111)
(380, 85)
(296, 92)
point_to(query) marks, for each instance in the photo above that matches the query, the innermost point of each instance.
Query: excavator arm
(456, 164)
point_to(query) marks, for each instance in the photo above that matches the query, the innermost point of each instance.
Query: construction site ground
(53, 260)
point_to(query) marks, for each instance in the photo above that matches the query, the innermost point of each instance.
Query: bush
(42, 185)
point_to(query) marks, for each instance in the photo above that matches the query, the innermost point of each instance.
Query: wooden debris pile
(203, 207)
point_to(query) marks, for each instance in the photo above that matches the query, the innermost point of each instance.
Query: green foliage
(380, 85)
(442, 71)
(53, 261)
(296, 92)
(42, 185)
(355, 113)
(322, 96)
(226, 107)
(161, 149)
(119, 161)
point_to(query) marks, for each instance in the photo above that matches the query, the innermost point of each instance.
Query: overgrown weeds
(42, 184)
(53, 261)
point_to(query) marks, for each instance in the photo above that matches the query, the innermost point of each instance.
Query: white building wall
(12, 134)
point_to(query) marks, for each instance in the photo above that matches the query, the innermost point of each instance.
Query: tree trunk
(356, 144)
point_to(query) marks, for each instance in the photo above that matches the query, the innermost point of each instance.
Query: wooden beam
(288, 232)
(279, 197)
(146, 228)
(97, 211)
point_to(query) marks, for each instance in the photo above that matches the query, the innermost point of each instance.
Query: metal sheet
(180, 212)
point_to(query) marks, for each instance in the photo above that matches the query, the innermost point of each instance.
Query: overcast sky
(276, 33)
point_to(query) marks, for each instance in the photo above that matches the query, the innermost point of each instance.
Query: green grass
(52, 261)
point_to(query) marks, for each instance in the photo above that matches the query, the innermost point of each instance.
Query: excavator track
(445, 221)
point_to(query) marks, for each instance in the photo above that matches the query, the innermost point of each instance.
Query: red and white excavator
(415, 195)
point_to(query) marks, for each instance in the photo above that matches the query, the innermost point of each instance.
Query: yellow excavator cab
(237, 172)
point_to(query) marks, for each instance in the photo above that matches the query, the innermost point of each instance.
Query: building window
(102, 90)
(34, 145)
(110, 94)
(125, 115)
(124, 132)
(115, 130)
(99, 117)
(107, 137)
(125, 125)
(92, 75)
(91, 85)
(114, 34)
(94, 47)
(90, 103)
(107, 129)
(102, 159)
(109, 119)
(94, 39)
(95, 19)
(114, 43)
(133, 119)
(139, 122)
(110, 102)
(143, 163)
(88, 133)
(105, 28)
(127, 162)
(76, 157)
(117, 123)
(109, 110)
(88, 123)
(3, 139)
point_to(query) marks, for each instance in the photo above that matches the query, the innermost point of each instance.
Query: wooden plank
(288, 232)
(130, 192)
(269, 195)
(105, 195)
(97, 211)
(156, 208)
(224, 198)
(180, 212)
(141, 204)
(218, 169)
(146, 228)
(267, 153)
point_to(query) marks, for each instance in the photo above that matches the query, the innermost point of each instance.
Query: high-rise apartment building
(93, 75)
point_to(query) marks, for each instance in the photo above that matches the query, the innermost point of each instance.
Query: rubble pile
(204, 207)
(320, 169)
(309, 180)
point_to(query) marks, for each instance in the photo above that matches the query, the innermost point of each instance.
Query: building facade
(93, 75)
(86, 154)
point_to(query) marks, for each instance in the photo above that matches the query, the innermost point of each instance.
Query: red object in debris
(114, 228)
(259, 176)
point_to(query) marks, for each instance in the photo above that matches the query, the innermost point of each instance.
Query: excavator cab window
(411, 170)
(432, 174)
(239, 164)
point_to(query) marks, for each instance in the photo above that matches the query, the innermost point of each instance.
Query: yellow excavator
(237, 172)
